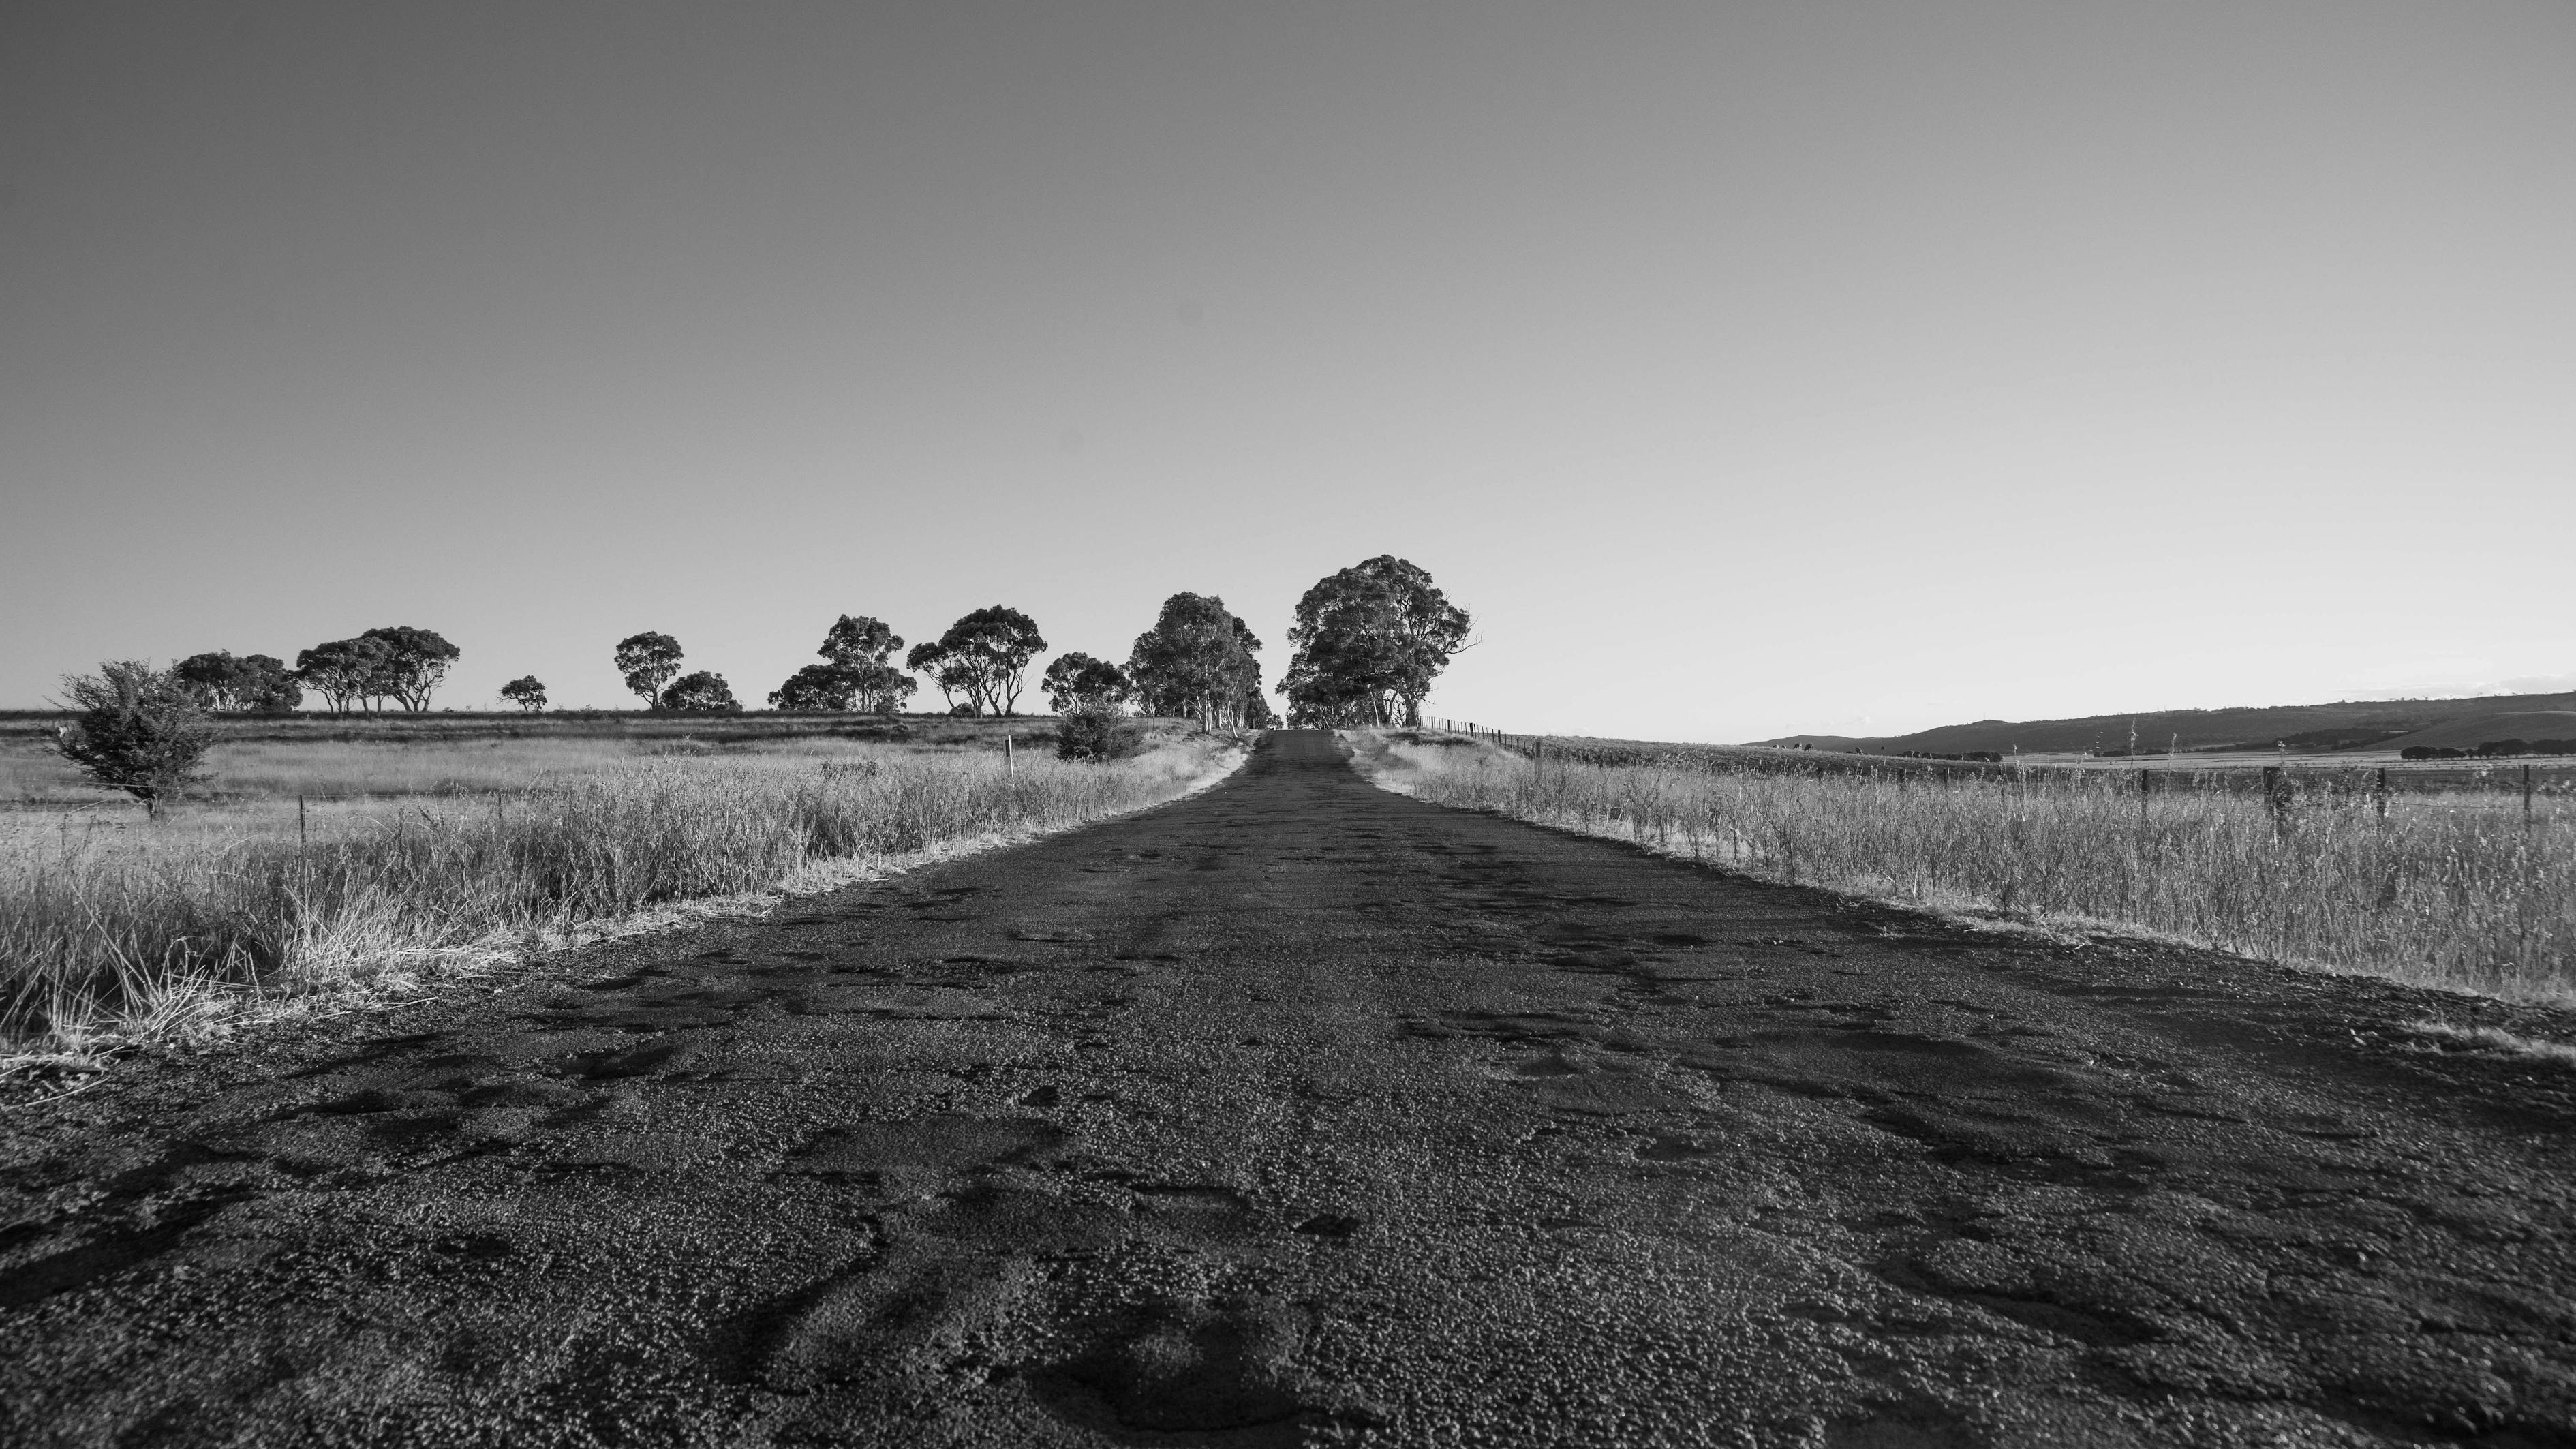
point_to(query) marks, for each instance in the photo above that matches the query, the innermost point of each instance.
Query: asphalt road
(1301, 1113)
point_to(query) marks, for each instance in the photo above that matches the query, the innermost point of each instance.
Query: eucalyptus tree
(224, 682)
(861, 649)
(980, 661)
(416, 663)
(1370, 640)
(1196, 662)
(647, 662)
(348, 673)
(700, 693)
(1078, 681)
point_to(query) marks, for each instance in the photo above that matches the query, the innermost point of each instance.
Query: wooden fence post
(2382, 795)
(2276, 793)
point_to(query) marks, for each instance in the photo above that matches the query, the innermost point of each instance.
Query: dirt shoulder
(1299, 1112)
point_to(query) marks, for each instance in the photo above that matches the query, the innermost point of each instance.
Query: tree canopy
(257, 682)
(1076, 681)
(816, 689)
(701, 693)
(348, 672)
(851, 640)
(981, 659)
(416, 663)
(1197, 662)
(527, 692)
(857, 650)
(648, 661)
(1370, 639)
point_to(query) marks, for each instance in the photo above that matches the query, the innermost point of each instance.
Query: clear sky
(1744, 368)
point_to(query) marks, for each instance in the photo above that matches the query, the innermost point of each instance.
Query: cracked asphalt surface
(1303, 1113)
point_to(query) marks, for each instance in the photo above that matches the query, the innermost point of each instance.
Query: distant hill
(2468, 734)
(2349, 724)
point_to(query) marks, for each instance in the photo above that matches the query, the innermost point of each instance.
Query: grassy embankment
(2444, 890)
(428, 860)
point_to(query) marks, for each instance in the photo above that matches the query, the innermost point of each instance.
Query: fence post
(2526, 797)
(1010, 766)
(2276, 793)
(2382, 795)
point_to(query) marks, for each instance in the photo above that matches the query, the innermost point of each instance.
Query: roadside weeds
(1898, 850)
(105, 956)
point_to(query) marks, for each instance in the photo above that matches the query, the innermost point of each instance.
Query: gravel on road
(1302, 1113)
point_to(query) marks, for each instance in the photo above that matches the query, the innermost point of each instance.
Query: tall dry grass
(2456, 891)
(31, 773)
(137, 932)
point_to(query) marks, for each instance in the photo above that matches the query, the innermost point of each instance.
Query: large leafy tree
(851, 640)
(982, 658)
(527, 692)
(140, 730)
(349, 672)
(860, 649)
(416, 663)
(1196, 662)
(1078, 681)
(223, 682)
(701, 693)
(1370, 640)
(879, 687)
(647, 661)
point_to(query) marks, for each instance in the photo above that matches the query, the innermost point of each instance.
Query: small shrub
(141, 731)
(1094, 732)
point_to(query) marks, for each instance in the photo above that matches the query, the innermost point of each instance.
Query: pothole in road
(1183, 1368)
(1328, 1225)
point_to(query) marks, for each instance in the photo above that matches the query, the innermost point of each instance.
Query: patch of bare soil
(1302, 1113)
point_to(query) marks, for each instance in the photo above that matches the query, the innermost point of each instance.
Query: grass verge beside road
(153, 932)
(2457, 891)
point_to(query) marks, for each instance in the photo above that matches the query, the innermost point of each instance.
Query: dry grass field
(340, 757)
(405, 861)
(2451, 889)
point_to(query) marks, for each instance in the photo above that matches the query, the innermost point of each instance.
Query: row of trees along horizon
(1369, 641)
